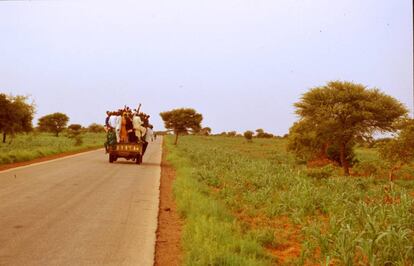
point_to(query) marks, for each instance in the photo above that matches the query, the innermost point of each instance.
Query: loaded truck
(126, 130)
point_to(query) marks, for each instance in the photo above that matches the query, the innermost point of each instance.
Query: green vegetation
(55, 123)
(181, 121)
(399, 151)
(35, 145)
(16, 115)
(260, 133)
(340, 114)
(255, 204)
(74, 132)
(248, 135)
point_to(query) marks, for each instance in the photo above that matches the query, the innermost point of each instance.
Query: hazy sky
(242, 64)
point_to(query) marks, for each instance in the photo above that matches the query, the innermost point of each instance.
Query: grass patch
(25, 147)
(211, 235)
(252, 204)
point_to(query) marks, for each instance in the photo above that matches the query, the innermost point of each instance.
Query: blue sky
(242, 64)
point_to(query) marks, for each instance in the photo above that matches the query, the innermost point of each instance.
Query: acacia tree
(55, 123)
(16, 115)
(181, 121)
(399, 151)
(341, 113)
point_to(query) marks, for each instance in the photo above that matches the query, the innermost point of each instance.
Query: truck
(133, 146)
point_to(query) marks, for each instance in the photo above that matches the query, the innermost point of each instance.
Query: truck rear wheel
(138, 159)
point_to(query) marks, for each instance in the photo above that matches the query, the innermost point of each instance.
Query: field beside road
(25, 147)
(254, 204)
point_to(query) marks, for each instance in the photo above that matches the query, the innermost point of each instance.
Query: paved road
(81, 211)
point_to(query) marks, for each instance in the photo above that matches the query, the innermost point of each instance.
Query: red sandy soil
(168, 246)
(286, 231)
(43, 159)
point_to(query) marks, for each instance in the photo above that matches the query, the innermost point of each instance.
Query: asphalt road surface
(81, 210)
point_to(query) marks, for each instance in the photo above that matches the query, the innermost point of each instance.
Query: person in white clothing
(137, 124)
(150, 134)
(118, 124)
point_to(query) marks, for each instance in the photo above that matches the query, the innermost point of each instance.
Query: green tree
(262, 134)
(231, 134)
(74, 132)
(16, 115)
(205, 131)
(306, 142)
(95, 128)
(399, 151)
(341, 113)
(55, 123)
(248, 135)
(181, 121)
(259, 131)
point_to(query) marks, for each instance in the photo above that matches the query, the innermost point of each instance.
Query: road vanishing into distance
(81, 210)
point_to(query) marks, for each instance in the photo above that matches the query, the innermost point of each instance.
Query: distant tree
(74, 132)
(55, 123)
(75, 127)
(95, 128)
(341, 113)
(205, 131)
(260, 133)
(231, 134)
(16, 115)
(399, 151)
(180, 121)
(248, 135)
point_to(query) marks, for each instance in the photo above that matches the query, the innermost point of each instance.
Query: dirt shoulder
(46, 158)
(168, 245)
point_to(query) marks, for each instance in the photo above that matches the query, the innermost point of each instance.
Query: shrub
(95, 128)
(367, 168)
(248, 135)
(320, 173)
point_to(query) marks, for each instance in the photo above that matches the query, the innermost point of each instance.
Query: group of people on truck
(128, 126)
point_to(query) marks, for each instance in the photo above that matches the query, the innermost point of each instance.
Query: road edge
(168, 248)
